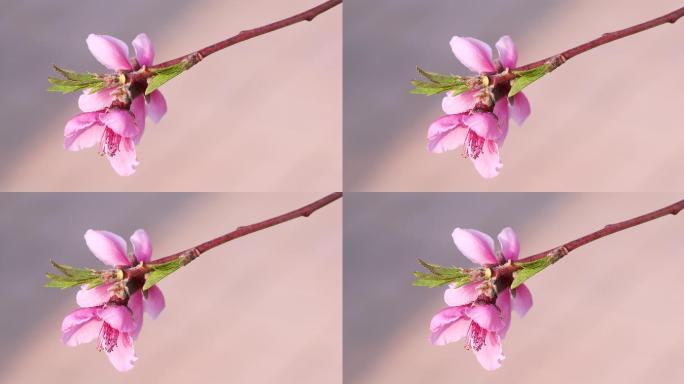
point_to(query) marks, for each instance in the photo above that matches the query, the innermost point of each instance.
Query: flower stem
(198, 55)
(560, 58)
(609, 229)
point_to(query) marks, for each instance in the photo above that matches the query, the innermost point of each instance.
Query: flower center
(473, 145)
(108, 337)
(476, 337)
(109, 143)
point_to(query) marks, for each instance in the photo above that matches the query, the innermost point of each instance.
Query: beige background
(606, 121)
(264, 115)
(263, 309)
(610, 312)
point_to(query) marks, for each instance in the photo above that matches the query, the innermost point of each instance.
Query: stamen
(109, 143)
(473, 145)
(107, 338)
(475, 337)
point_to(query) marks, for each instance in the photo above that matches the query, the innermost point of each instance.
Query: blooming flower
(482, 147)
(484, 322)
(95, 125)
(100, 308)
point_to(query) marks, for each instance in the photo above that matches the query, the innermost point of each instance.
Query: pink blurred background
(264, 115)
(264, 308)
(604, 121)
(609, 312)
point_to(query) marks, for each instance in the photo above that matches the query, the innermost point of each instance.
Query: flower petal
(144, 50)
(487, 316)
(118, 316)
(135, 304)
(154, 301)
(508, 54)
(91, 102)
(510, 248)
(142, 246)
(125, 159)
(485, 124)
(520, 108)
(462, 295)
(123, 356)
(93, 297)
(109, 51)
(491, 353)
(501, 113)
(473, 53)
(156, 106)
(488, 164)
(109, 247)
(475, 245)
(80, 326)
(138, 110)
(460, 103)
(446, 134)
(82, 131)
(120, 121)
(446, 316)
(522, 300)
(448, 326)
(503, 302)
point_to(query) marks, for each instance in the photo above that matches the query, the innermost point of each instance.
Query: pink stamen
(107, 338)
(475, 337)
(109, 143)
(473, 145)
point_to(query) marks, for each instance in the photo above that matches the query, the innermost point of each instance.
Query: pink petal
(135, 304)
(520, 108)
(447, 141)
(508, 54)
(491, 354)
(118, 316)
(91, 102)
(138, 110)
(80, 326)
(460, 103)
(501, 113)
(123, 356)
(510, 248)
(154, 302)
(156, 106)
(77, 318)
(475, 245)
(446, 316)
(503, 302)
(125, 159)
(522, 300)
(444, 124)
(142, 246)
(144, 50)
(488, 164)
(473, 53)
(462, 295)
(448, 326)
(487, 316)
(110, 248)
(120, 121)
(109, 51)
(93, 297)
(82, 131)
(485, 124)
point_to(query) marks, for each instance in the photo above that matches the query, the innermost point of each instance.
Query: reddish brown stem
(560, 58)
(196, 56)
(609, 229)
(304, 211)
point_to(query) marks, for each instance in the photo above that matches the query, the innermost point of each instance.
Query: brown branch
(609, 229)
(197, 56)
(562, 57)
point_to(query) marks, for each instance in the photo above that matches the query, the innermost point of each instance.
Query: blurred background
(264, 308)
(263, 115)
(609, 312)
(605, 121)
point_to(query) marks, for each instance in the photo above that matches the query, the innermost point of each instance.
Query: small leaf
(72, 277)
(439, 276)
(160, 271)
(163, 75)
(438, 83)
(525, 78)
(530, 269)
(74, 81)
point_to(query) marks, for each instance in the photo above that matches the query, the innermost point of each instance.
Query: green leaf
(74, 81)
(72, 277)
(160, 271)
(530, 269)
(525, 78)
(438, 83)
(439, 276)
(165, 74)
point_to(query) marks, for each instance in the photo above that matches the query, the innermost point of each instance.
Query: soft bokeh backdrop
(264, 308)
(263, 115)
(604, 121)
(609, 312)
